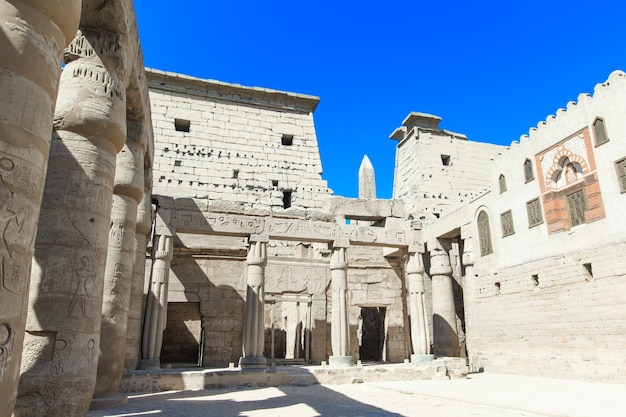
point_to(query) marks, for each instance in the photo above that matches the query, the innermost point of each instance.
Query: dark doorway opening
(182, 336)
(372, 333)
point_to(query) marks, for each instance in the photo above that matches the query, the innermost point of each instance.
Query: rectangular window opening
(287, 140)
(286, 199)
(182, 125)
(274, 183)
(445, 160)
(177, 163)
(235, 173)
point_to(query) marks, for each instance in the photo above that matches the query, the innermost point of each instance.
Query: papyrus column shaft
(135, 312)
(128, 191)
(445, 334)
(253, 322)
(340, 334)
(34, 34)
(156, 304)
(417, 309)
(63, 325)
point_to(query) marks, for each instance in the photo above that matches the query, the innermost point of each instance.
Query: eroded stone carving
(74, 224)
(33, 37)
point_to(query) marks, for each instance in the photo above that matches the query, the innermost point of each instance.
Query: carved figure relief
(62, 350)
(11, 224)
(6, 347)
(83, 280)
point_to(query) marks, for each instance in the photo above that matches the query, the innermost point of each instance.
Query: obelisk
(367, 180)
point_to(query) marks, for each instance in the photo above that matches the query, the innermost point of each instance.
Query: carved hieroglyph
(253, 321)
(68, 264)
(34, 34)
(445, 336)
(128, 192)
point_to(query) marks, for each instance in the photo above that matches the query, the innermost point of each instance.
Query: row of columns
(445, 340)
(73, 228)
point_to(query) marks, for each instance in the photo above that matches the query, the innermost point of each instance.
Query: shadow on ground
(305, 401)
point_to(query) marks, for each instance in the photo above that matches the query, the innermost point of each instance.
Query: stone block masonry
(255, 148)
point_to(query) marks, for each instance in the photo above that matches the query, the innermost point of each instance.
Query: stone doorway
(182, 336)
(287, 328)
(372, 333)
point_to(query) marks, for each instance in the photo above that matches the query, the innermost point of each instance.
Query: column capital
(257, 253)
(338, 259)
(414, 264)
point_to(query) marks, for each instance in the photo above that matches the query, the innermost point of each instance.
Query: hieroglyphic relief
(366, 234)
(302, 230)
(295, 279)
(62, 350)
(82, 282)
(214, 222)
(11, 225)
(6, 347)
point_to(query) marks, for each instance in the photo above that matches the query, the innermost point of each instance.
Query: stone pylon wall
(34, 35)
(238, 147)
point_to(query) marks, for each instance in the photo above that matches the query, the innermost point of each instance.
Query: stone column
(445, 336)
(419, 325)
(128, 192)
(155, 318)
(340, 330)
(135, 312)
(253, 319)
(469, 290)
(34, 34)
(63, 324)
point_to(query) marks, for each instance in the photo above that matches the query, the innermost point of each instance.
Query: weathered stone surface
(34, 35)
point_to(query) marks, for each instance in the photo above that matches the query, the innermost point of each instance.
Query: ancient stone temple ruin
(152, 219)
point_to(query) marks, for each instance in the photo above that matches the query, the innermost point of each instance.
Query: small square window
(235, 173)
(274, 183)
(182, 125)
(287, 140)
(445, 160)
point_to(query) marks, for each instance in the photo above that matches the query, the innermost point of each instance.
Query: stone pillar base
(149, 364)
(110, 402)
(340, 361)
(422, 358)
(252, 362)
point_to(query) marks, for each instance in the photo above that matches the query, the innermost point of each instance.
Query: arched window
(600, 132)
(528, 170)
(502, 182)
(484, 234)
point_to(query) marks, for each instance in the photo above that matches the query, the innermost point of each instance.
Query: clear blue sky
(491, 70)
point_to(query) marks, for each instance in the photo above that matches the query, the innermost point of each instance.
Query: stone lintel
(362, 209)
(376, 236)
